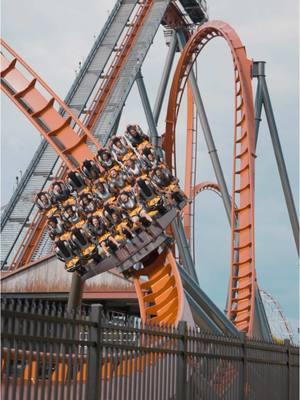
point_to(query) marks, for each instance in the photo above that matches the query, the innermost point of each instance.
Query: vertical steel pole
(285, 183)
(208, 136)
(258, 105)
(147, 108)
(94, 364)
(243, 381)
(181, 363)
(165, 78)
(289, 380)
(75, 294)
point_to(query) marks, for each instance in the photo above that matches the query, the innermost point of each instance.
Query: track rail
(66, 134)
(159, 290)
(241, 297)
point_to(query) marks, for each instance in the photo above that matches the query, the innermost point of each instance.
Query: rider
(97, 231)
(75, 181)
(168, 184)
(90, 170)
(71, 214)
(136, 212)
(105, 159)
(151, 159)
(135, 137)
(101, 190)
(133, 167)
(120, 149)
(64, 250)
(117, 180)
(149, 196)
(121, 227)
(56, 227)
(44, 201)
(88, 204)
(59, 191)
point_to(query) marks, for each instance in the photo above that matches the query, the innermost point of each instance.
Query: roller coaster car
(135, 250)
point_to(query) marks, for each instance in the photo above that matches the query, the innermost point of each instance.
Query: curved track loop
(160, 289)
(241, 297)
(206, 186)
(47, 112)
(160, 292)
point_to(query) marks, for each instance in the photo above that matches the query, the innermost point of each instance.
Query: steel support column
(183, 248)
(75, 294)
(205, 303)
(165, 78)
(147, 108)
(259, 73)
(208, 135)
(258, 110)
(115, 127)
(262, 323)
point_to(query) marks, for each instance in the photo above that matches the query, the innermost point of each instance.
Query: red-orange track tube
(243, 276)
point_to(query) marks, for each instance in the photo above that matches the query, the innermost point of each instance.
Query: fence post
(288, 363)
(93, 360)
(181, 361)
(244, 383)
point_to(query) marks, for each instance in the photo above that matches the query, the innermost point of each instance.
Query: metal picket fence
(90, 355)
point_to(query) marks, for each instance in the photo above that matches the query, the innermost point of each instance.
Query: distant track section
(17, 215)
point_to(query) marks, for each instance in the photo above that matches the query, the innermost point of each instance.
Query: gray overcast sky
(54, 38)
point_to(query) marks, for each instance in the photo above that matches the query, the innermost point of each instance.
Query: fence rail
(89, 356)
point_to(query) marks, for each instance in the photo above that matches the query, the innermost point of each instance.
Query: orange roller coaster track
(240, 309)
(61, 129)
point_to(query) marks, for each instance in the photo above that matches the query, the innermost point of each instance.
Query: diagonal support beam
(147, 108)
(165, 78)
(152, 118)
(183, 248)
(263, 98)
(207, 306)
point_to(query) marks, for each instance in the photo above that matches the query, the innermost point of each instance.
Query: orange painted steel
(206, 186)
(189, 151)
(242, 276)
(27, 247)
(159, 290)
(66, 134)
(200, 187)
(163, 270)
